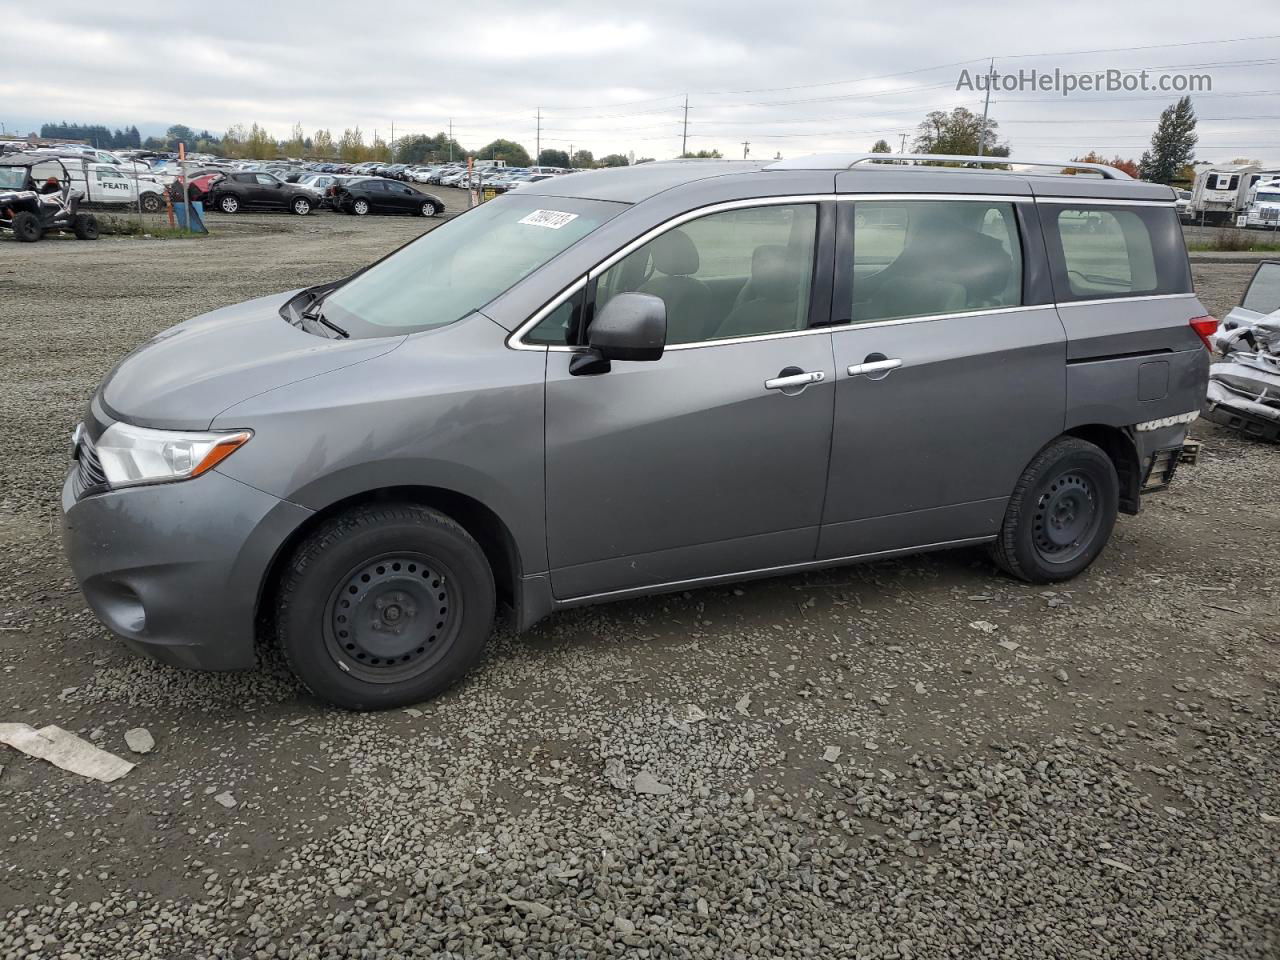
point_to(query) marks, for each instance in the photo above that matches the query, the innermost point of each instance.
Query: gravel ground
(916, 758)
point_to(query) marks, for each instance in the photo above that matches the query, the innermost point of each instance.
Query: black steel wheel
(385, 605)
(1061, 513)
(393, 618)
(151, 202)
(1066, 517)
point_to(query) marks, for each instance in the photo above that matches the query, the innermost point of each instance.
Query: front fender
(452, 409)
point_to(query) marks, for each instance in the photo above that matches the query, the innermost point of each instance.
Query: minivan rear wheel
(1061, 514)
(385, 605)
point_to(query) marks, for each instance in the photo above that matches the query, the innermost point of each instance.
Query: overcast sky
(790, 78)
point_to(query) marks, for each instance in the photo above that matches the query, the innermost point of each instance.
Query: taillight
(1205, 327)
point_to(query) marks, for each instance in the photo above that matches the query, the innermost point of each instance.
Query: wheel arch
(1117, 443)
(477, 518)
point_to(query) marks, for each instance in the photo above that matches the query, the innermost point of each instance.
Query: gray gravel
(834, 765)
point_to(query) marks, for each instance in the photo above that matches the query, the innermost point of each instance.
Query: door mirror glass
(1263, 295)
(631, 326)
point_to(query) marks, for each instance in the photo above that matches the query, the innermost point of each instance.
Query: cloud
(611, 77)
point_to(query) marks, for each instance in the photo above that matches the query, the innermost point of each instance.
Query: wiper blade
(321, 319)
(313, 312)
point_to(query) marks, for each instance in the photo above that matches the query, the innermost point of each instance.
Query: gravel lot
(916, 758)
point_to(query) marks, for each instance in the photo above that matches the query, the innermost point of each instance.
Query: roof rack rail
(831, 161)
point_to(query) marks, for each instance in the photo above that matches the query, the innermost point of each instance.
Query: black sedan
(377, 195)
(261, 191)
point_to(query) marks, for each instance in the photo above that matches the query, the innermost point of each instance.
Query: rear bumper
(174, 570)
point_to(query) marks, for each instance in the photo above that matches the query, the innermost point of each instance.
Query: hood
(184, 377)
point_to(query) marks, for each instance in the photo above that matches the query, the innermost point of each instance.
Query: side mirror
(632, 326)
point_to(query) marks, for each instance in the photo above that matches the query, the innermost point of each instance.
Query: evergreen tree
(1173, 145)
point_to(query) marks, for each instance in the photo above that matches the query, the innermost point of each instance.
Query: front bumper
(175, 569)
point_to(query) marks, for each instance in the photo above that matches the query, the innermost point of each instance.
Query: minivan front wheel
(1061, 513)
(385, 605)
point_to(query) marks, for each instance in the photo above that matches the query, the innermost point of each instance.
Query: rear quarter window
(1100, 252)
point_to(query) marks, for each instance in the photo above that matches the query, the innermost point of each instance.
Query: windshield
(12, 178)
(464, 263)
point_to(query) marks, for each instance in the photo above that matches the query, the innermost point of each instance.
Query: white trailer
(1222, 193)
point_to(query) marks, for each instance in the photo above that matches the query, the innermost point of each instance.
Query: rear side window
(919, 258)
(1101, 252)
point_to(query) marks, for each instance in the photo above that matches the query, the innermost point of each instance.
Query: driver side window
(738, 273)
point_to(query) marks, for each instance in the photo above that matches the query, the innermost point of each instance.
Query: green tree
(958, 132)
(881, 146)
(612, 160)
(233, 141)
(582, 159)
(351, 148)
(260, 145)
(296, 145)
(508, 150)
(423, 149)
(550, 157)
(322, 144)
(379, 149)
(179, 133)
(703, 155)
(1173, 145)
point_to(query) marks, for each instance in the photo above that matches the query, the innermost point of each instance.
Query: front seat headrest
(773, 274)
(675, 255)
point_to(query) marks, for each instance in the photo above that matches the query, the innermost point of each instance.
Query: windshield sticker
(554, 219)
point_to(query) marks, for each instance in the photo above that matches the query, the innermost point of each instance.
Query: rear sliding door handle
(874, 366)
(794, 380)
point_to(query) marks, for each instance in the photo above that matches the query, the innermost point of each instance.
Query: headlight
(132, 455)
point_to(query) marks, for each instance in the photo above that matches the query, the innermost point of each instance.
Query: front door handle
(791, 381)
(874, 366)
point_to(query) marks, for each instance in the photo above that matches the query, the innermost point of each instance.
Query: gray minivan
(633, 381)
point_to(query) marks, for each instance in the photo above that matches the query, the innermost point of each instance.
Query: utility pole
(451, 139)
(986, 105)
(393, 141)
(571, 156)
(537, 156)
(745, 145)
(684, 137)
(903, 148)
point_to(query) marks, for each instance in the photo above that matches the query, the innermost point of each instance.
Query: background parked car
(262, 191)
(378, 195)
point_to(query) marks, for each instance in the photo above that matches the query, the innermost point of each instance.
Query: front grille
(89, 473)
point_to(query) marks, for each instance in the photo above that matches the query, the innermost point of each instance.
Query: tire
(26, 227)
(301, 206)
(85, 226)
(151, 202)
(428, 208)
(345, 581)
(1061, 514)
(229, 203)
(360, 206)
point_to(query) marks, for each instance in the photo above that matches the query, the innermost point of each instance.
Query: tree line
(1169, 160)
(960, 132)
